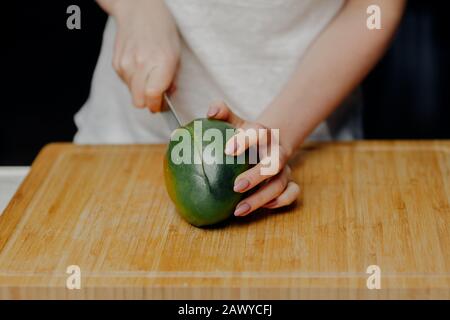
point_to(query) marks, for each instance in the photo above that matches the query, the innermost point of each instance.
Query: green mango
(202, 191)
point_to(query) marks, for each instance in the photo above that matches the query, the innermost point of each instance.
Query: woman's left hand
(276, 188)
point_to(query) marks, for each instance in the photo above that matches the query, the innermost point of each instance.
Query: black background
(49, 69)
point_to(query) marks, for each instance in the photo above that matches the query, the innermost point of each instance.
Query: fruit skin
(203, 193)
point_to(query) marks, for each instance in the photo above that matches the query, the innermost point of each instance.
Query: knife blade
(172, 113)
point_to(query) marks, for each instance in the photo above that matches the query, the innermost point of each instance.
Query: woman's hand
(147, 49)
(276, 188)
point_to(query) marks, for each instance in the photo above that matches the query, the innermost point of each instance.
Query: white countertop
(10, 179)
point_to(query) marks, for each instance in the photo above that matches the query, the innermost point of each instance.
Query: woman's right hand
(147, 48)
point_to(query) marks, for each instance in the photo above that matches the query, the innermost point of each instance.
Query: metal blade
(172, 109)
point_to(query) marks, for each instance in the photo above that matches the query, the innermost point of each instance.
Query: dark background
(49, 68)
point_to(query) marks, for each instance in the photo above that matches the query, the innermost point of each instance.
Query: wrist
(288, 145)
(123, 10)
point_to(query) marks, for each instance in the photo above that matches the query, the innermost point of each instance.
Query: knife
(171, 115)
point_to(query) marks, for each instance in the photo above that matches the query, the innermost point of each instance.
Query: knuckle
(288, 171)
(285, 174)
(283, 155)
(123, 67)
(139, 61)
(278, 170)
(138, 103)
(278, 185)
(140, 58)
(223, 109)
(170, 60)
(125, 63)
(251, 177)
(153, 93)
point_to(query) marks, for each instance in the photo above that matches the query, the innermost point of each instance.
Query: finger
(158, 81)
(172, 89)
(118, 51)
(138, 83)
(286, 198)
(265, 194)
(250, 134)
(126, 65)
(116, 56)
(255, 175)
(219, 110)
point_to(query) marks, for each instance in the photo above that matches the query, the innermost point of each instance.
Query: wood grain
(105, 209)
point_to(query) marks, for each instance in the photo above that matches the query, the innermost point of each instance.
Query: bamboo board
(105, 209)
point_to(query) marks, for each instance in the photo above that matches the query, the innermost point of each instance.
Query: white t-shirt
(240, 51)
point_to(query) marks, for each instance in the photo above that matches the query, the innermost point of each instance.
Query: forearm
(332, 67)
(108, 5)
(112, 7)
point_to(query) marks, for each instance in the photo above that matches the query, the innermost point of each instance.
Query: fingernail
(212, 112)
(242, 209)
(241, 185)
(231, 148)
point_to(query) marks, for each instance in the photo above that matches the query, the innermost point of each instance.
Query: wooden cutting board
(105, 209)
